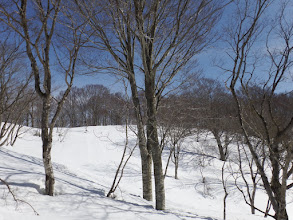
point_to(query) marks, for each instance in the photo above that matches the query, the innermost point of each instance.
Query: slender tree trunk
(47, 146)
(50, 180)
(252, 198)
(168, 161)
(224, 184)
(145, 153)
(153, 144)
(157, 161)
(146, 166)
(176, 168)
(279, 192)
(32, 116)
(176, 160)
(220, 146)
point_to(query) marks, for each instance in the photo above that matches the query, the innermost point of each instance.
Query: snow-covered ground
(85, 162)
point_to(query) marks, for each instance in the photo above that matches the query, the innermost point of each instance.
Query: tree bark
(279, 191)
(168, 161)
(47, 146)
(157, 161)
(176, 159)
(145, 153)
(146, 167)
(220, 146)
(153, 144)
(252, 198)
(176, 168)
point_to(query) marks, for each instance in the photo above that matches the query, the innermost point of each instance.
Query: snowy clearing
(85, 162)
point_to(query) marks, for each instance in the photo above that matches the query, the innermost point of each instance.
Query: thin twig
(15, 198)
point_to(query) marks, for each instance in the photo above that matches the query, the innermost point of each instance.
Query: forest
(153, 49)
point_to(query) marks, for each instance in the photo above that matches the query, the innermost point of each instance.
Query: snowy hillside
(85, 162)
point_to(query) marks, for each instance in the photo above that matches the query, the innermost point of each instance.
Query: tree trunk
(281, 213)
(145, 153)
(168, 161)
(280, 195)
(252, 198)
(146, 164)
(279, 191)
(47, 146)
(50, 180)
(224, 184)
(157, 161)
(176, 160)
(176, 168)
(220, 146)
(153, 144)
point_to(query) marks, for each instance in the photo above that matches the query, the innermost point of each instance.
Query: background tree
(14, 93)
(211, 108)
(92, 105)
(174, 126)
(248, 172)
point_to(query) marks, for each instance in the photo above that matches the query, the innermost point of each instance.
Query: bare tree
(176, 136)
(257, 109)
(174, 126)
(248, 172)
(92, 105)
(169, 35)
(124, 159)
(210, 107)
(38, 27)
(14, 92)
(225, 188)
(164, 35)
(111, 23)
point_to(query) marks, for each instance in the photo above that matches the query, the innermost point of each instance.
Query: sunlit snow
(85, 162)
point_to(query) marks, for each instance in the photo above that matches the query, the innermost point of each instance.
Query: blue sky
(205, 60)
(219, 51)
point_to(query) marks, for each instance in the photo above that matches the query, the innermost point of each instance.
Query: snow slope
(85, 162)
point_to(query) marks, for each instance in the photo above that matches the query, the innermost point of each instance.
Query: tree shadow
(33, 161)
(29, 185)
